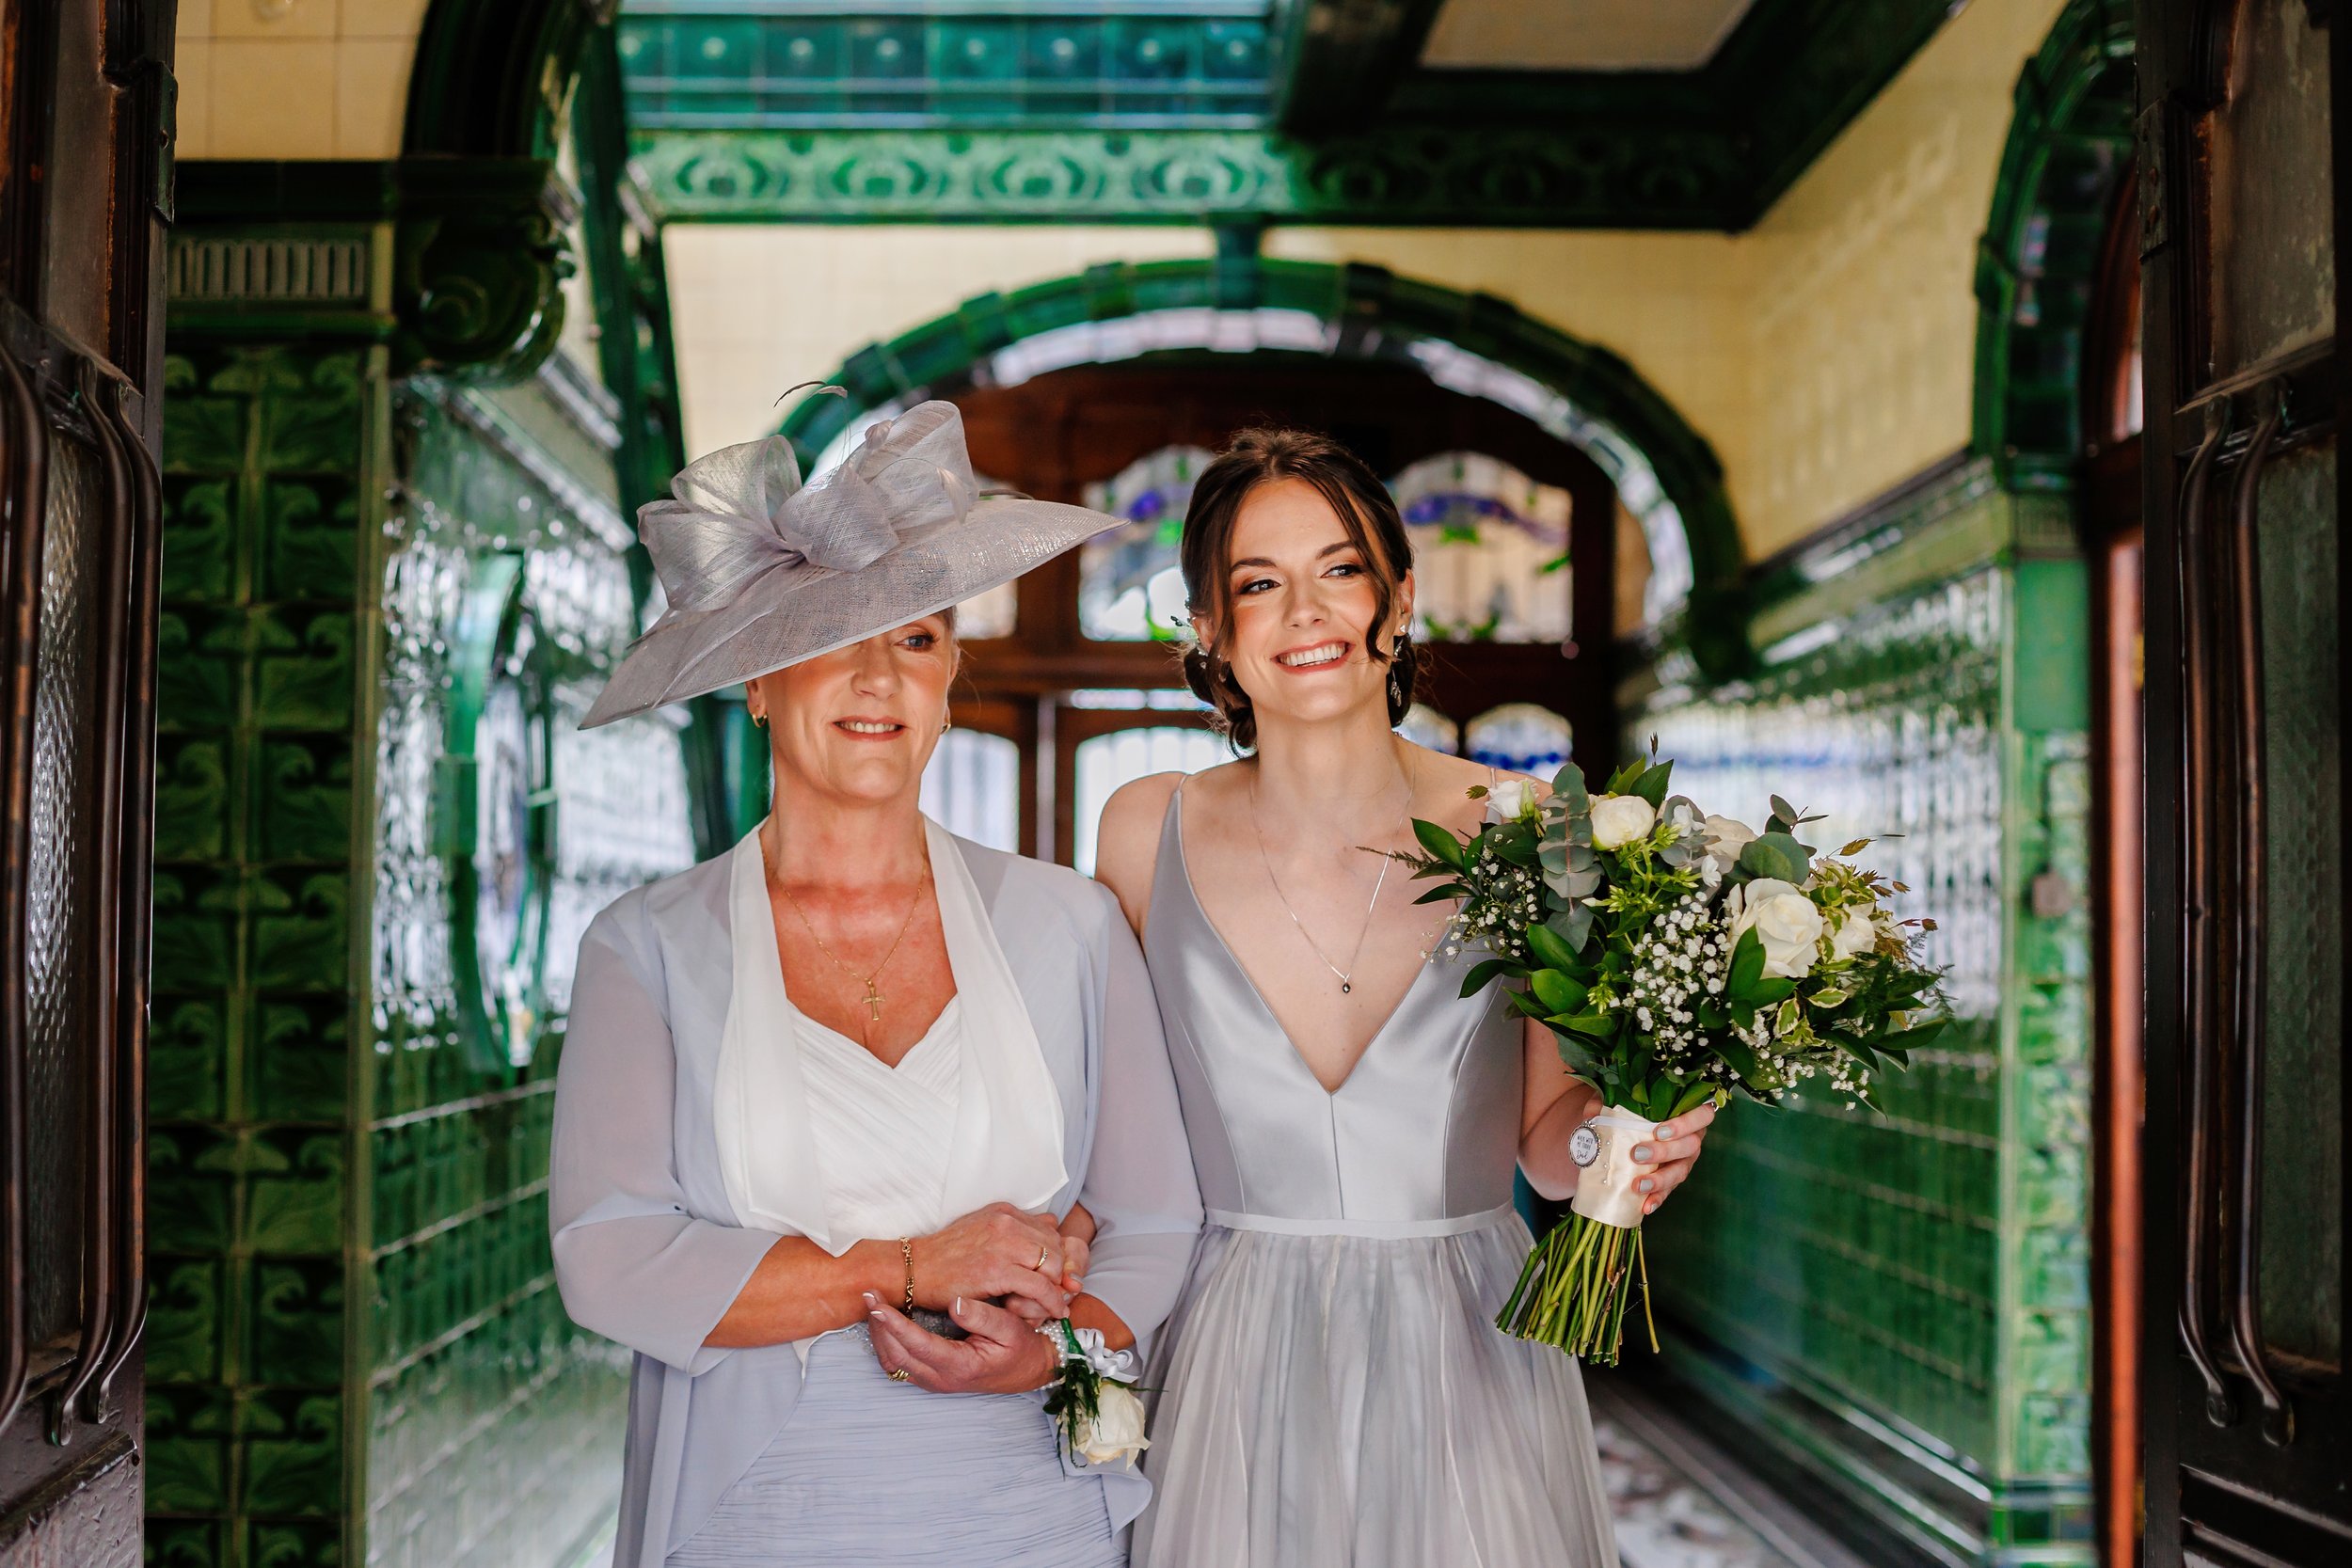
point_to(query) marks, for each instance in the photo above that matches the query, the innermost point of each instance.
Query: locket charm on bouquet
(1605, 1190)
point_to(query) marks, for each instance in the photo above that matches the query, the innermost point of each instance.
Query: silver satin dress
(1331, 1390)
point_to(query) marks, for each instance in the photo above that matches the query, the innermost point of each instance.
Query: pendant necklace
(873, 997)
(1346, 976)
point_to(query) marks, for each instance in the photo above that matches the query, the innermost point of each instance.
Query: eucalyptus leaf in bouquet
(1678, 958)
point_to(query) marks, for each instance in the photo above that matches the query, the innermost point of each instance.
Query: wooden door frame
(2214, 1484)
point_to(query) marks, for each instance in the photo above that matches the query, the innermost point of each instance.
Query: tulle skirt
(1342, 1402)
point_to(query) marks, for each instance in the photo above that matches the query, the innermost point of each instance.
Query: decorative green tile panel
(1190, 62)
(358, 1355)
(493, 1434)
(1916, 1284)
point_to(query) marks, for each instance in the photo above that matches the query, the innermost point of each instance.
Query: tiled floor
(1683, 1501)
(1667, 1520)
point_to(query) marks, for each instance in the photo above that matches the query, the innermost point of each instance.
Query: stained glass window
(1130, 587)
(1425, 726)
(1519, 738)
(1108, 761)
(1490, 549)
(973, 788)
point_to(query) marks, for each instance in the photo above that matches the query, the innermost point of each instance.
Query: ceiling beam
(1341, 60)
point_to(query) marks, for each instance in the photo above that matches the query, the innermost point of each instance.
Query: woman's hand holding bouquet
(1676, 957)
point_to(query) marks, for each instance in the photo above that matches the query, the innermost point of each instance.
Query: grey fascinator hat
(762, 571)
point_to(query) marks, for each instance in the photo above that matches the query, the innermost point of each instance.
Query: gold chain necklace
(873, 998)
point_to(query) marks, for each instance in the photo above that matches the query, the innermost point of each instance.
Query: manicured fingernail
(875, 1315)
(1646, 1185)
(872, 1300)
(1667, 1131)
(959, 1306)
(1642, 1154)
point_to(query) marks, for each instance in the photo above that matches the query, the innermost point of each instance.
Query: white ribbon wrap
(1604, 1189)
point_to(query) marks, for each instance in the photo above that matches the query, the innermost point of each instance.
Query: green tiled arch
(1604, 391)
(2037, 262)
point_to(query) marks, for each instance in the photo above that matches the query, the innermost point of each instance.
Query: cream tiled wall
(295, 79)
(756, 309)
(1862, 318)
(1674, 306)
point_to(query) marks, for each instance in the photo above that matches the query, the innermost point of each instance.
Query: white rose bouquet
(1676, 957)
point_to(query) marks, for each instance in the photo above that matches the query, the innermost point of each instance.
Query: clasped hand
(999, 1253)
(1023, 1261)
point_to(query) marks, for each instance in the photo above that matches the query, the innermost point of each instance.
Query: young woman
(823, 1099)
(1332, 1391)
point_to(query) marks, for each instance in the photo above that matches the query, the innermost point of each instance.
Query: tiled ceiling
(1581, 35)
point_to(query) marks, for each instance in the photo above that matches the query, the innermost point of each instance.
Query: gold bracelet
(906, 1251)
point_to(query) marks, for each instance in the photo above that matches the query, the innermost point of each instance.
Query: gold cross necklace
(873, 997)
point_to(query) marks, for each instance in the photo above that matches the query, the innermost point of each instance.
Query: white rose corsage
(1100, 1417)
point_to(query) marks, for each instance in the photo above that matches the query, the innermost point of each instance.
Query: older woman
(823, 1100)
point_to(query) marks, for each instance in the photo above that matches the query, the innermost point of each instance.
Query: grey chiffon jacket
(646, 1248)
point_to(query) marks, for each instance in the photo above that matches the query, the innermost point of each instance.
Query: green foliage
(1600, 950)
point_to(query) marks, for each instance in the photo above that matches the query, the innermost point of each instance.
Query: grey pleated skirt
(883, 1474)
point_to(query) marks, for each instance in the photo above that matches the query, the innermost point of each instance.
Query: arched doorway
(1563, 509)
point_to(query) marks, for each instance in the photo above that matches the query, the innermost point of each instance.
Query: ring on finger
(1041, 1250)
(899, 1374)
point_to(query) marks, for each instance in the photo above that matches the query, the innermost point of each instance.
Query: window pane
(1425, 726)
(992, 614)
(1519, 738)
(1130, 589)
(972, 788)
(1490, 549)
(1109, 761)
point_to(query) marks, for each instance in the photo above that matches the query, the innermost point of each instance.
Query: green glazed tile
(293, 1453)
(300, 1062)
(200, 653)
(314, 427)
(292, 1546)
(303, 810)
(187, 1058)
(297, 1323)
(186, 1475)
(300, 934)
(312, 526)
(190, 1196)
(302, 675)
(185, 1322)
(195, 930)
(183, 1543)
(191, 797)
(199, 535)
(203, 435)
(295, 1195)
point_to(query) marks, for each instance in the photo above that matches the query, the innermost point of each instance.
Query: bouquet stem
(1573, 1291)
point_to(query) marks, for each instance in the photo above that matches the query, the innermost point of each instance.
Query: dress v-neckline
(859, 1048)
(1183, 871)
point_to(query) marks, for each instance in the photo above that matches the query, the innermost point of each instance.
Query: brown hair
(1365, 509)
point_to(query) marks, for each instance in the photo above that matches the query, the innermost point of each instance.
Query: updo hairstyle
(1365, 509)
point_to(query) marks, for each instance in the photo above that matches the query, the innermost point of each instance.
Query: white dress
(872, 1471)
